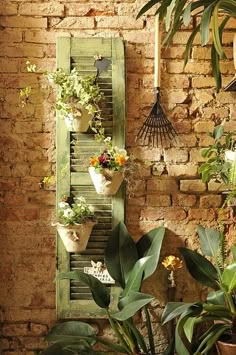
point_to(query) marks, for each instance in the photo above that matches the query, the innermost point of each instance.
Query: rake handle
(157, 54)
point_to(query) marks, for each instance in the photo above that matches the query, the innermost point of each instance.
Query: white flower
(63, 204)
(91, 208)
(107, 140)
(81, 199)
(121, 152)
(68, 213)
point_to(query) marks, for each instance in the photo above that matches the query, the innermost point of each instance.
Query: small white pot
(230, 155)
(78, 122)
(75, 237)
(107, 182)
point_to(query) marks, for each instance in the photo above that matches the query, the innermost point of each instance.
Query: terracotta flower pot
(75, 237)
(78, 120)
(225, 348)
(107, 182)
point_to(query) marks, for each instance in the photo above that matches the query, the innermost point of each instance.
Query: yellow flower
(120, 159)
(172, 263)
(93, 161)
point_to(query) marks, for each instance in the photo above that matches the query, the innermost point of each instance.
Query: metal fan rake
(157, 130)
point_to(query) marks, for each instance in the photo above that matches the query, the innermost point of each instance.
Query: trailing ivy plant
(75, 91)
(205, 14)
(128, 263)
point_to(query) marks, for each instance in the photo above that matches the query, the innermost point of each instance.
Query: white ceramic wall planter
(107, 182)
(75, 237)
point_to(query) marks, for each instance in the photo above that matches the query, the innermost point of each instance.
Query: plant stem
(117, 333)
(150, 333)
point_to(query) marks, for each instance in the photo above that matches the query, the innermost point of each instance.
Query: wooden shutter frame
(67, 308)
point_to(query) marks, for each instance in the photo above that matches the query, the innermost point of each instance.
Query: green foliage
(216, 167)
(220, 304)
(128, 264)
(75, 90)
(211, 13)
(74, 214)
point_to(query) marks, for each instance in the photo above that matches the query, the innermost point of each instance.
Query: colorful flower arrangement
(77, 213)
(112, 158)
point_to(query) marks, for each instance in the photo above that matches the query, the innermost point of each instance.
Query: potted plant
(220, 165)
(78, 98)
(75, 223)
(106, 169)
(218, 311)
(128, 263)
(205, 15)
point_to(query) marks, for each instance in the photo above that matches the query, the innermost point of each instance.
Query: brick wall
(178, 199)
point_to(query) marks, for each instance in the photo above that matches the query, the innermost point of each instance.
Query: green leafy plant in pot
(128, 263)
(218, 311)
(75, 223)
(220, 165)
(77, 99)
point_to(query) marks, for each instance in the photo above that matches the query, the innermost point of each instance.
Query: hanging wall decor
(157, 130)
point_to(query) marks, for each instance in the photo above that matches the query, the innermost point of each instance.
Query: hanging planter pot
(107, 182)
(78, 120)
(75, 237)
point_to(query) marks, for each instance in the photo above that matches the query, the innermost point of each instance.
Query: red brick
(22, 50)
(162, 185)
(117, 22)
(175, 155)
(163, 213)
(10, 36)
(76, 23)
(91, 9)
(210, 201)
(192, 186)
(158, 200)
(45, 9)
(182, 170)
(23, 22)
(184, 200)
(8, 9)
(8, 66)
(201, 214)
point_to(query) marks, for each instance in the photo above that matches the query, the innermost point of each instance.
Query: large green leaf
(205, 24)
(147, 7)
(209, 240)
(72, 330)
(218, 132)
(189, 44)
(63, 348)
(120, 254)
(100, 293)
(229, 277)
(175, 309)
(116, 348)
(216, 297)
(188, 327)
(136, 276)
(216, 31)
(132, 303)
(233, 250)
(200, 268)
(183, 346)
(150, 245)
(169, 11)
(210, 337)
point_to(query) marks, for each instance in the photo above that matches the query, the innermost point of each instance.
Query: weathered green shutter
(73, 151)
